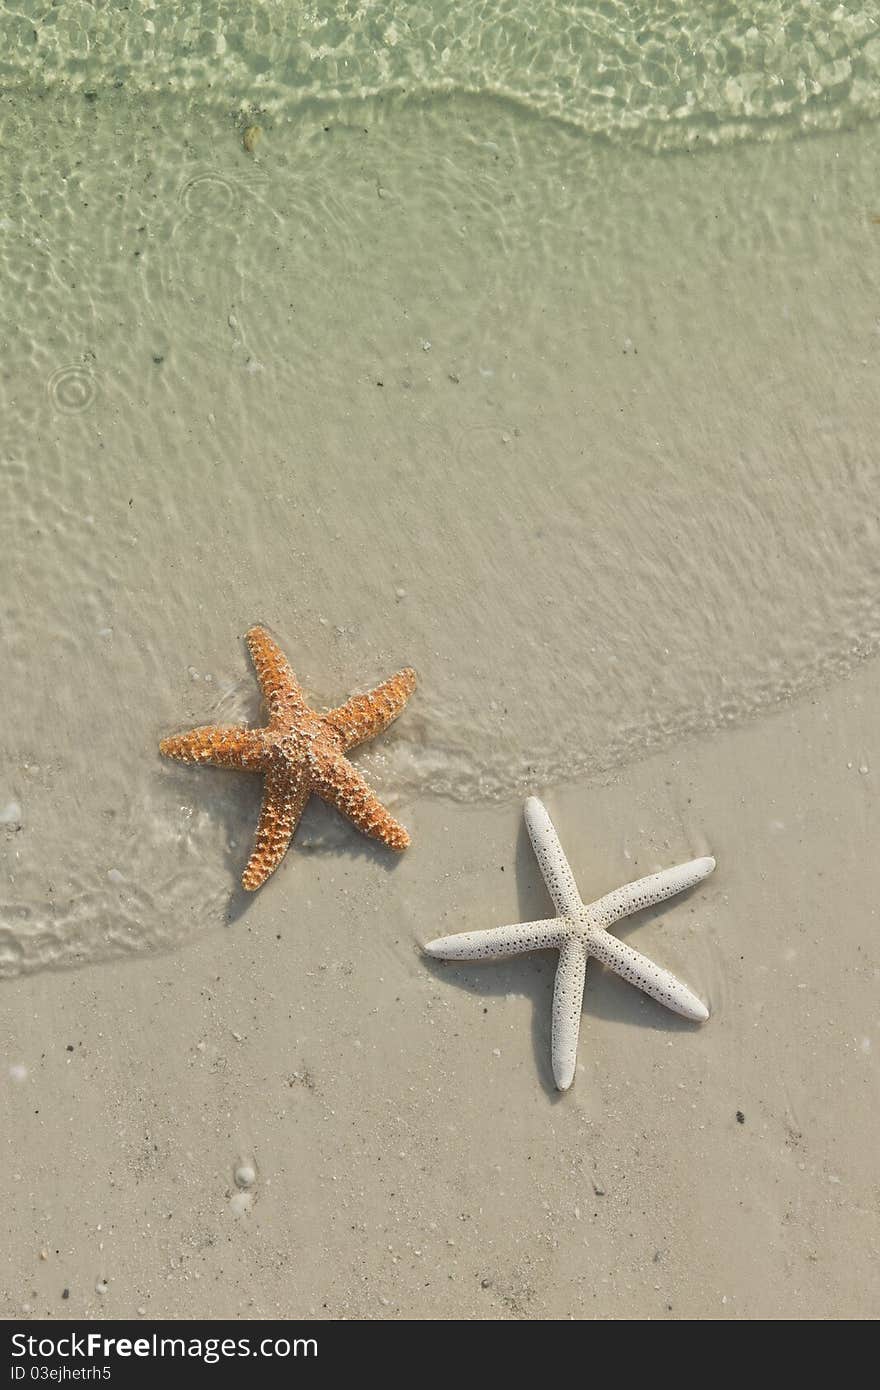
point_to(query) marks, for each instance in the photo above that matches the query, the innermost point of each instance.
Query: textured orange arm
(283, 803)
(279, 685)
(221, 745)
(365, 716)
(344, 787)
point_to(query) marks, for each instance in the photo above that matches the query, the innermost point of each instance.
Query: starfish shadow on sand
(533, 976)
(321, 835)
(234, 803)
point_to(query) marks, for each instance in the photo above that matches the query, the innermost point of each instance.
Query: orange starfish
(300, 752)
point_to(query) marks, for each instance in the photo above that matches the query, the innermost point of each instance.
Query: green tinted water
(583, 428)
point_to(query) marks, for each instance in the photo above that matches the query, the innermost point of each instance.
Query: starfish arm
(568, 999)
(279, 685)
(340, 784)
(365, 716)
(644, 892)
(222, 745)
(498, 941)
(647, 976)
(283, 803)
(551, 858)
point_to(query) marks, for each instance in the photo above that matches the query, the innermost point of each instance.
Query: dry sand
(412, 1157)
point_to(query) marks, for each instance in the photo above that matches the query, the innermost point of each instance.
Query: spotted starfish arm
(283, 802)
(647, 976)
(568, 1000)
(496, 942)
(552, 862)
(365, 716)
(279, 685)
(342, 786)
(221, 745)
(644, 892)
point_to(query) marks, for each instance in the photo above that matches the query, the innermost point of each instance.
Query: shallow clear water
(656, 72)
(533, 346)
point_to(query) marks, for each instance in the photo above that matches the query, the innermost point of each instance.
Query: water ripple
(653, 73)
(72, 389)
(208, 195)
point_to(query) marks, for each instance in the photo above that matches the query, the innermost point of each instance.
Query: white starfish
(578, 931)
